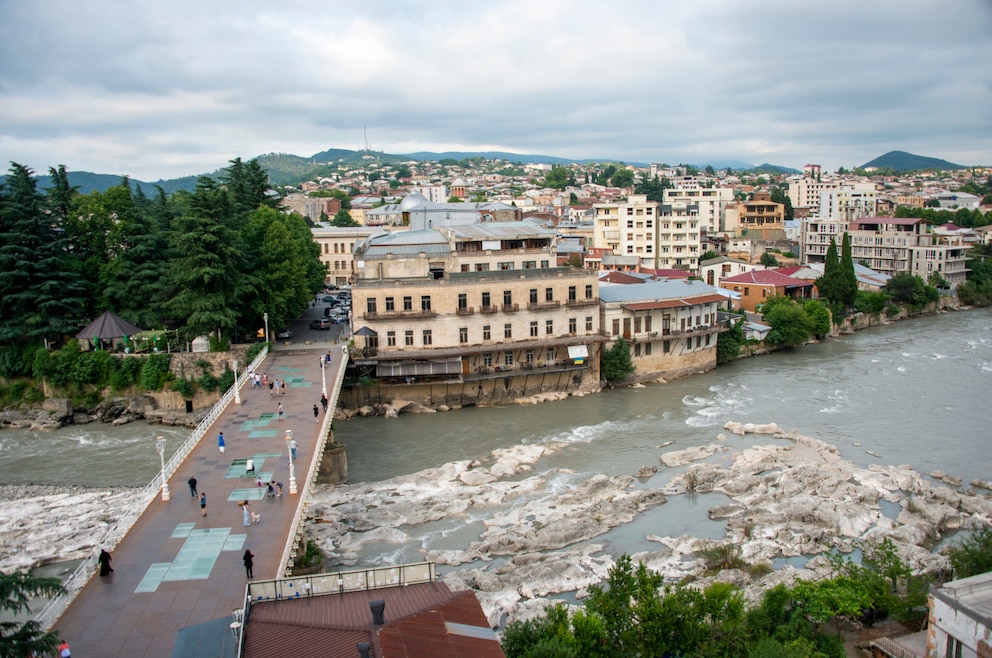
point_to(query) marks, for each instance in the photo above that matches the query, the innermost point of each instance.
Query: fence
(47, 616)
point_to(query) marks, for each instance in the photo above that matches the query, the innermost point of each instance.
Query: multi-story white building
(941, 252)
(671, 325)
(806, 192)
(660, 236)
(337, 246)
(848, 201)
(711, 204)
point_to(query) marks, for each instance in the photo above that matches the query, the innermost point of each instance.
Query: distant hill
(87, 182)
(902, 161)
(772, 169)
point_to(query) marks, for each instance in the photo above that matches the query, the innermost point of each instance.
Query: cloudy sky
(158, 89)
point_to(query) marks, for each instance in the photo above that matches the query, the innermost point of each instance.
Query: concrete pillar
(334, 465)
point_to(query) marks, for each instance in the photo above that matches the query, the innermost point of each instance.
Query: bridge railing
(48, 615)
(295, 535)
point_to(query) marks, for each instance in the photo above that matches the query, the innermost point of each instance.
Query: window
(428, 337)
(571, 293)
(647, 323)
(408, 303)
(637, 349)
(549, 327)
(549, 355)
(487, 360)
(572, 325)
(529, 356)
(507, 297)
(425, 302)
(544, 264)
(616, 327)
(647, 349)
(507, 358)
(533, 296)
(391, 338)
(370, 305)
(588, 323)
(482, 267)
(487, 332)
(505, 266)
(666, 346)
(530, 264)
(408, 337)
(507, 330)
(589, 291)
(549, 294)
(462, 300)
(533, 329)
(390, 304)
(486, 299)
(463, 335)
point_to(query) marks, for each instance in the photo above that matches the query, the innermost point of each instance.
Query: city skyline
(161, 91)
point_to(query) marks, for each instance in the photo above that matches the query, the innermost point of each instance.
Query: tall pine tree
(828, 285)
(848, 279)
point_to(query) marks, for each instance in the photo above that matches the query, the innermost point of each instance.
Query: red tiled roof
(766, 278)
(421, 619)
(789, 270)
(620, 277)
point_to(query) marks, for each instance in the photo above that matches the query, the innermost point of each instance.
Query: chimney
(363, 649)
(378, 607)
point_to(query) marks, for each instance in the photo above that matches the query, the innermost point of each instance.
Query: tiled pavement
(176, 568)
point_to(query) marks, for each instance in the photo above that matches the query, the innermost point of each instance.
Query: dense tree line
(938, 217)
(207, 262)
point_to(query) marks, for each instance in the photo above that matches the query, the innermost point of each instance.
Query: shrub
(226, 380)
(155, 372)
(208, 382)
(184, 387)
(125, 373)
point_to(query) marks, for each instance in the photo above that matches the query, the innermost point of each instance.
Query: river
(914, 392)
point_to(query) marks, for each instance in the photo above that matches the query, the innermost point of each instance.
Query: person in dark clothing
(192, 486)
(323, 402)
(104, 561)
(249, 560)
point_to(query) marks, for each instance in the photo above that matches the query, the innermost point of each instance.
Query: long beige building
(481, 310)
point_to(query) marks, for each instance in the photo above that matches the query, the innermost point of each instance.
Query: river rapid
(914, 392)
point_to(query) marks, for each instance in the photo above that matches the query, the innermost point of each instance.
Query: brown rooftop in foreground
(424, 619)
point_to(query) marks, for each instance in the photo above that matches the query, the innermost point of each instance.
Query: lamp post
(265, 316)
(237, 391)
(323, 378)
(292, 466)
(160, 445)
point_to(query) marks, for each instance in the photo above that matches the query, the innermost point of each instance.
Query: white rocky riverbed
(789, 495)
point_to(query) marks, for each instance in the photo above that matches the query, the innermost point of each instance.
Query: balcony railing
(465, 310)
(488, 309)
(392, 315)
(592, 301)
(510, 308)
(537, 306)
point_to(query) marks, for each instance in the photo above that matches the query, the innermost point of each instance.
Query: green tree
(828, 285)
(27, 638)
(768, 259)
(905, 288)
(819, 317)
(207, 273)
(616, 364)
(248, 186)
(728, 343)
(559, 177)
(623, 178)
(455, 199)
(708, 254)
(791, 326)
(343, 218)
(653, 188)
(973, 554)
(710, 171)
(848, 280)
(41, 293)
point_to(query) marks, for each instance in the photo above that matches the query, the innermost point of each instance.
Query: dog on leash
(255, 518)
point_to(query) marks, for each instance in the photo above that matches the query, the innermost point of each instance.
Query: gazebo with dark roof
(107, 327)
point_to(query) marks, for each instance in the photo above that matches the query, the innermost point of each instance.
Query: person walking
(192, 487)
(280, 409)
(249, 560)
(220, 443)
(203, 504)
(316, 413)
(64, 651)
(293, 445)
(323, 402)
(246, 513)
(282, 384)
(104, 560)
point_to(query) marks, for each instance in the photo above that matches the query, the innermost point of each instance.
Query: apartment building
(481, 308)
(758, 219)
(628, 228)
(711, 203)
(337, 246)
(806, 192)
(671, 325)
(848, 201)
(942, 252)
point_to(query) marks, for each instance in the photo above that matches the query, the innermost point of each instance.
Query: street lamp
(237, 391)
(323, 378)
(160, 445)
(266, 317)
(292, 466)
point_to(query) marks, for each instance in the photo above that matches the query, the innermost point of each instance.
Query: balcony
(465, 310)
(510, 308)
(395, 315)
(572, 303)
(488, 309)
(538, 306)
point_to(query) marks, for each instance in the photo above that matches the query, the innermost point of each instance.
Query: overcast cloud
(166, 89)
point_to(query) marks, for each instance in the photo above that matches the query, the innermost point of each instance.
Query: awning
(365, 331)
(578, 352)
(419, 368)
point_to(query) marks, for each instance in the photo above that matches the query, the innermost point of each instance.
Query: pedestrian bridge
(178, 576)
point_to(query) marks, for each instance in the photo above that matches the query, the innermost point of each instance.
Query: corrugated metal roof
(655, 290)
(503, 230)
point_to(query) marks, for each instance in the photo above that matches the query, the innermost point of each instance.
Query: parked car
(339, 319)
(320, 323)
(283, 334)
(328, 298)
